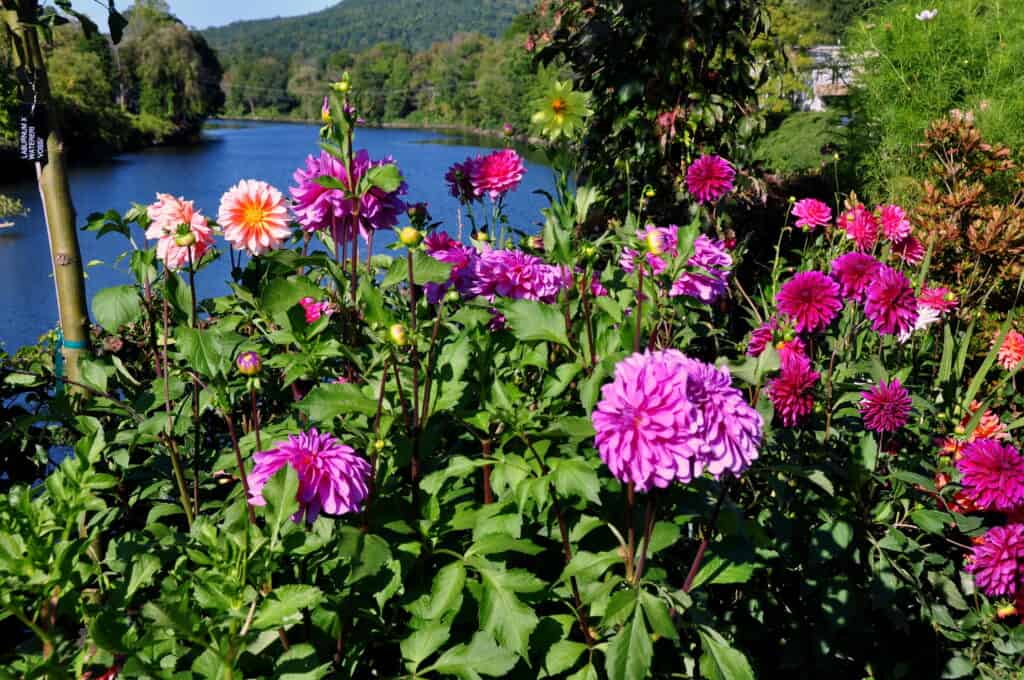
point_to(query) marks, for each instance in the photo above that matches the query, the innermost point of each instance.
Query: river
(228, 152)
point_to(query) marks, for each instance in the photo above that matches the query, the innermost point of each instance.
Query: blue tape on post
(58, 358)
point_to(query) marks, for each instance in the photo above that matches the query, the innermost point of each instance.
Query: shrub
(803, 144)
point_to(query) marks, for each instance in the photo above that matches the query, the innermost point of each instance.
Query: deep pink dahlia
(792, 392)
(731, 428)
(630, 259)
(909, 250)
(890, 302)
(860, 225)
(855, 272)
(811, 214)
(811, 300)
(895, 225)
(791, 350)
(993, 475)
(315, 309)
(460, 179)
(886, 406)
(712, 264)
(597, 289)
(940, 299)
(648, 431)
(440, 246)
(709, 178)
(332, 478)
(519, 276)
(761, 337)
(998, 561)
(497, 174)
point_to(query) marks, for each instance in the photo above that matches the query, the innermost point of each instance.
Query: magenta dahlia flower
(314, 309)
(890, 302)
(855, 272)
(997, 562)
(318, 207)
(993, 475)
(940, 299)
(709, 178)
(792, 392)
(497, 174)
(713, 264)
(731, 428)
(648, 431)
(791, 350)
(442, 247)
(519, 276)
(886, 406)
(630, 259)
(909, 250)
(460, 179)
(861, 226)
(811, 214)
(895, 225)
(761, 337)
(332, 478)
(811, 300)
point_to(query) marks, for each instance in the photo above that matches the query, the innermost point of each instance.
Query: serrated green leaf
(425, 269)
(445, 593)
(532, 321)
(630, 652)
(562, 656)
(280, 494)
(421, 644)
(574, 477)
(284, 606)
(720, 661)
(327, 401)
(117, 306)
(480, 657)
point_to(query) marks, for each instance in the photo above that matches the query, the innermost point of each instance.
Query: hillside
(359, 24)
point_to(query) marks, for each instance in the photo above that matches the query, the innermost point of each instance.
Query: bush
(803, 144)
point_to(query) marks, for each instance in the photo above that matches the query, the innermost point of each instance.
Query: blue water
(202, 173)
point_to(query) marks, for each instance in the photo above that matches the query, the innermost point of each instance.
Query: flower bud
(410, 237)
(589, 251)
(655, 243)
(481, 236)
(650, 193)
(398, 335)
(249, 363)
(508, 130)
(379, 445)
(325, 111)
(960, 430)
(1006, 611)
(941, 480)
(343, 86)
(186, 240)
(537, 242)
(452, 296)
(417, 212)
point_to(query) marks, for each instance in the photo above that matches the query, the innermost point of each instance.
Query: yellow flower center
(254, 216)
(559, 106)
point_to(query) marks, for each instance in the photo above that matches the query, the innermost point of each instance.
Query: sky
(206, 13)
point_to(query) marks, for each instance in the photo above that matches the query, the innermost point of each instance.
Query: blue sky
(205, 13)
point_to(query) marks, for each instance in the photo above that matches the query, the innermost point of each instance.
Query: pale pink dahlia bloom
(170, 218)
(997, 562)
(886, 406)
(891, 304)
(810, 300)
(709, 178)
(811, 214)
(993, 475)
(332, 478)
(254, 217)
(1011, 352)
(497, 174)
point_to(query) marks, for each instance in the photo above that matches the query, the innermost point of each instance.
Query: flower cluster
(866, 228)
(705, 274)
(182, 234)
(666, 417)
(493, 175)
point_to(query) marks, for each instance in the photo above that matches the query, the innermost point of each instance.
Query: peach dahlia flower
(254, 217)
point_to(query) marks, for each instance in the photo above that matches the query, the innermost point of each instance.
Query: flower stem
(699, 557)
(431, 361)
(241, 465)
(179, 475)
(630, 532)
(255, 417)
(488, 494)
(648, 528)
(639, 310)
(414, 344)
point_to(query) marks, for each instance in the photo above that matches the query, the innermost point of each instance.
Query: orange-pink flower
(254, 217)
(1012, 351)
(175, 221)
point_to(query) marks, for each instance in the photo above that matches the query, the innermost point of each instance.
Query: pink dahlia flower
(460, 179)
(314, 309)
(885, 407)
(792, 392)
(940, 299)
(861, 226)
(630, 259)
(172, 219)
(761, 337)
(713, 264)
(811, 300)
(791, 350)
(596, 288)
(519, 276)
(442, 247)
(811, 214)
(993, 475)
(497, 174)
(895, 225)
(997, 562)
(332, 478)
(648, 431)
(854, 272)
(709, 178)
(890, 303)
(254, 217)
(1011, 352)
(909, 250)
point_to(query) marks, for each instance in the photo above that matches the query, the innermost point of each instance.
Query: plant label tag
(31, 135)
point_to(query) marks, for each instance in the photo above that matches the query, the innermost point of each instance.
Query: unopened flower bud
(398, 335)
(379, 445)
(650, 193)
(186, 240)
(792, 199)
(508, 129)
(481, 236)
(417, 212)
(249, 363)
(589, 251)
(537, 242)
(410, 237)
(960, 430)
(452, 296)
(343, 86)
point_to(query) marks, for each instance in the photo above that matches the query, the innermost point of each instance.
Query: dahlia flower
(792, 392)
(926, 316)
(332, 478)
(630, 259)
(997, 562)
(993, 475)
(890, 302)
(560, 111)
(812, 213)
(895, 225)
(596, 288)
(790, 350)
(660, 240)
(941, 299)
(254, 217)
(854, 272)
(989, 426)
(709, 178)
(886, 406)
(442, 247)
(459, 178)
(249, 363)
(811, 300)
(173, 219)
(861, 226)
(909, 250)
(519, 276)
(713, 263)
(761, 337)
(315, 309)
(497, 174)
(1011, 352)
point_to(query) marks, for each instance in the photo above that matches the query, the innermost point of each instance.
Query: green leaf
(532, 321)
(421, 644)
(301, 662)
(932, 521)
(208, 352)
(720, 661)
(562, 656)
(280, 493)
(480, 657)
(658, 616)
(958, 667)
(385, 177)
(116, 307)
(145, 567)
(502, 613)
(630, 652)
(572, 427)
(445, 593)
(284, 606)
(425, 269)
(325, 402)
(574, 477)
(280, 295)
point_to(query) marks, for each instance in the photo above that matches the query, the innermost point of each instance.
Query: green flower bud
(398, 335)
(410, 237)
